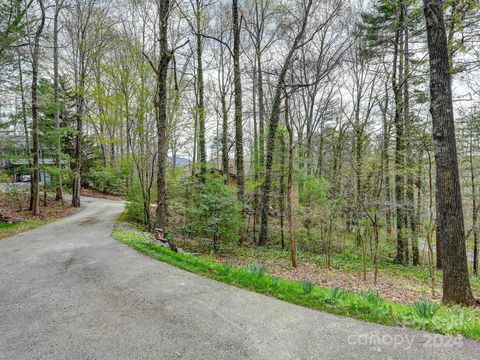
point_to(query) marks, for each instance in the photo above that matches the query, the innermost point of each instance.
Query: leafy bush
(425, 310)
(135, 207)
(212, 209)
(4, 178)
(108, 181)
(334, 295)
(371, 297)
(307, 286)
(314, 189)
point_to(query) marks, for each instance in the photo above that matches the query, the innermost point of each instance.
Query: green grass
(367, 306)
(7, 230)
(347, 261)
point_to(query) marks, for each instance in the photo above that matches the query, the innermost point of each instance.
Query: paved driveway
(70, 291)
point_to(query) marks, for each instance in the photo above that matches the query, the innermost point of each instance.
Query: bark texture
(456, 284)
(34, 196)
(161, 113)
(238, 103)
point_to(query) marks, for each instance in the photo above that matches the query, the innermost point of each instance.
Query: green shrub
(212, 210)
(4, 178)
(307, 286)
(334, 295)
(134, 206)
(107, 180)
(372, 297)
(425, 310)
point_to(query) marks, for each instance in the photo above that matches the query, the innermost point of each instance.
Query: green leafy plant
(371, 297)
(135, 211)
(108, 180)
(334, 295)
(425, 309)
(213, 210)
(275, 281)
(257, 270)
(307, 286)
(227, 267)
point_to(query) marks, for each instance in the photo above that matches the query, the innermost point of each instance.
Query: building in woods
(19, 169)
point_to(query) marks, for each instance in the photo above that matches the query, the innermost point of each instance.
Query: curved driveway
(68, 290)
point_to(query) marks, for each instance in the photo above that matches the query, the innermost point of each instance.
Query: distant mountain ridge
(179, 161)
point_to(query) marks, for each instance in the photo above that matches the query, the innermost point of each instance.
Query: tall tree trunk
(474, 207)
(419, 186)
(224, 134)
(321, 142)
(161, 113)
(35, 194)
(456, 284)
(200, 89)
(261, 99)
(283, 150)
(410, 193)
(238, 103)
(58, 157)
(256, 162)
(291, 232)
(223, 100)
(386, 161)
(274, 119)
(80, 108)
(24, 105)
(400, 145)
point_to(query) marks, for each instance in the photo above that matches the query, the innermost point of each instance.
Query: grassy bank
(364, 305)
(7, 230)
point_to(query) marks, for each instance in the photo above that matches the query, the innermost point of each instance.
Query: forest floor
(91, 192)
(396, 283)
(17, 217)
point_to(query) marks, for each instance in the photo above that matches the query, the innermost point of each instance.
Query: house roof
(24, 162)
(18, 162)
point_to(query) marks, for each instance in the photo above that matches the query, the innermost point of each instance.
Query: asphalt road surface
(68, 290)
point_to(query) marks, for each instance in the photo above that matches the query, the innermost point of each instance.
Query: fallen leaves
(15, 208)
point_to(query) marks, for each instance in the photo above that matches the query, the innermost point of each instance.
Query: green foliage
(307, 286)
(134, 206)
(12, 24)
(227, 267)
(334, 295)
(425, 309)
(313, 190)
(17, 195)
(257, 270)
(109, 181)
(211, 209)
(4, 178)
(372, 297)
(7, 230)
